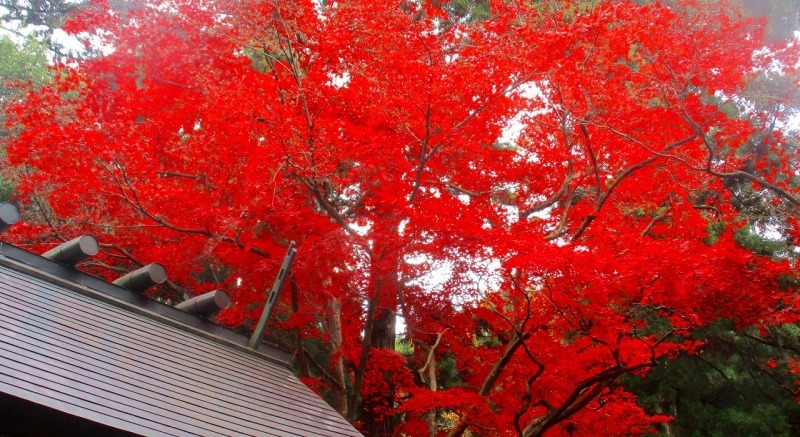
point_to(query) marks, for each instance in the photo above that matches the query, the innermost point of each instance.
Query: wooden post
(269, 306)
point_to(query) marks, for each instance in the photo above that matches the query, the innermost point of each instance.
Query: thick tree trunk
(379, 332)
(383, 337)
(383, 334)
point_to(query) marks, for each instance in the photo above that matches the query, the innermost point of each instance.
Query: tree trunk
(667, 407)
(334, 325)
(379, 329)
(383, 337)
(432, 386)
(383, 334)
(299, 352)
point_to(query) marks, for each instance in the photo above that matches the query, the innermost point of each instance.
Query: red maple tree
(546, 263)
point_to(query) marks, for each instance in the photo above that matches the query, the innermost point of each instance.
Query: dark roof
(77, 344)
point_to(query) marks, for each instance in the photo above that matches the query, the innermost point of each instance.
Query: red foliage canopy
(377, 135)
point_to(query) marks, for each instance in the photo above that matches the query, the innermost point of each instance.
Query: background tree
(39, 20)
(19, 65)
(27, 47)
(737, 384)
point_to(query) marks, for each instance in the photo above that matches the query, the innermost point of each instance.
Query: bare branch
(657, 218)
(627, 172)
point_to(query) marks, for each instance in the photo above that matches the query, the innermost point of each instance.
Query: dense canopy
(551, 194)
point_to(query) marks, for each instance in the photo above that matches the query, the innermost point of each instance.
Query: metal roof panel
(75, 343)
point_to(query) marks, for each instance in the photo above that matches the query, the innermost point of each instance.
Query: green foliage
(404, 347)
(765, 221)
(484, 336)
(750, 237)
(39, 19)
(6, 190)
(734, 386)
(22, 63)
(713, 231)
(469, 10)
(449, 375)
(18, 64)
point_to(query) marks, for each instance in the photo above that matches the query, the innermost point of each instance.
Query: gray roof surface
(110, 356)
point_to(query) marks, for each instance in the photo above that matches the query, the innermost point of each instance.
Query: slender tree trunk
(433, 387)
(491, 378)
(430, 367)
(299, 353)
(334, 326)
(670, 410)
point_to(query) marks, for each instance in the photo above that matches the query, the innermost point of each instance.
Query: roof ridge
(100, 289)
